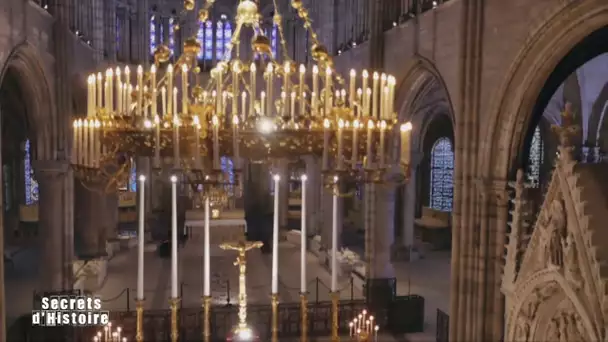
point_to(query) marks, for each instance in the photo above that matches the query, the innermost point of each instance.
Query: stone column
(313, 172)
(143, 30)
(110, 221)
(376, 40)
(409, 210)
(283, 170)
(109, 8)
(56, 270)
(98, 29)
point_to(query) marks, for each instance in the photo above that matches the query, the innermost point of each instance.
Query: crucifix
(242, 247)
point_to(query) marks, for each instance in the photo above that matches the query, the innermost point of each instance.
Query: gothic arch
(421, 97)
(511, 109)
(33, 81)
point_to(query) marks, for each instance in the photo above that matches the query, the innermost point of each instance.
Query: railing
(443, 327)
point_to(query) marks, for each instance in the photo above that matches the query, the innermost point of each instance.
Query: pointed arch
(40, 108)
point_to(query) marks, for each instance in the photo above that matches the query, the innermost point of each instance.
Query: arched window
(31, 185)
(152, 34)
(228, 170)
(172, 36)
(442, 173)
(535, 158)
(133, 178)
(208, 45)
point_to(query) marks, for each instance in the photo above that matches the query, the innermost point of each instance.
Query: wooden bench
(434, 227)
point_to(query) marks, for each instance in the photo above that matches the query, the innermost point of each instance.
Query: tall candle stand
(304, 315)
(274, 301)
(335, 324)
(139, 308)
(174, 304)
(206, 318)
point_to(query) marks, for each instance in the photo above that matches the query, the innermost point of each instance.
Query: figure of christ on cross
(242, 332)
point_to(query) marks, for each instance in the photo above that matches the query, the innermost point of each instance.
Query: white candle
(303, 238)
(235, 140)
(315, 89)
(90, 96)
(375, 94)
(140, 238)
(244, 105)
(367, 97)
(174, 293)
(75, 129)
(197, 143)
(154, 103)
(370, 132)
(215, 122)
(355, 154)
(163, 94)
(157, 141)
(207, 253)
(120, 104)
(328, 84)
(263, 103)
(96, 143)
(184, 90)
(334, 241)
(85, 147)
(325, 158)
(269, 85)
(339, 157)
(302, 109)
(287, 86)
(292, 110)
(359, 107)
(275, 237)
(406, 131)
(385, 103)
(219, 73)
(382, 147)
(351, 89)
(129, 98)
(174, 110)
(391, 97)
(169, 90)
(252, 90)
(118, 91)
(235, 87)
(140, 90)
(99, 91)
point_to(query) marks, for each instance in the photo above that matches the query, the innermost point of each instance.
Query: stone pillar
(109, 8)
(376, 40)
(57, 273)
(143, 30)
(313, 196)
(409, 210)
(283, 170)
(88, 219)
(98, 29)
(379, 234)
(110, 221)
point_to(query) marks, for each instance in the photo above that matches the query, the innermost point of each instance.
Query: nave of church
(505, 178)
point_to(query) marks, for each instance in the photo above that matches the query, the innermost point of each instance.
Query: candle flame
(142, 178)
(406, 127)
(140, 70)
(326, 123)
(170, 68)
(365, 74)
(235, 120)
(153, 69)
(353, 73)
(370, 124)
(341, 124)
(117, 71)
(304, 178)
(376, 76)
(315, 69)
(302, 69)
(252, 68)
(184, 68)
(356, 123)
(276, 177)
(173, 179)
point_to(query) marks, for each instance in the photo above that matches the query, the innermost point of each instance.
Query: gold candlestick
(206, 318)
(174, 302)
(335, 298)
(139, 308)
(275, 317)
(304, 314)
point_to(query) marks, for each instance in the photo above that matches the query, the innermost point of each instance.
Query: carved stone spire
(517, 223)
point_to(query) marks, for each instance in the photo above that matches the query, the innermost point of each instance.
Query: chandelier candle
(328, 84)
(364, 81)
(382, 147)
(99, 88)
(169, 77)
(303, 238)
(351, 89)
(184, 90)
(244, 105)
(163, 93)
(252, 94)
(174, 237)
(140, 90)
(157, 141)
(355, 143)
(176, 124)
(292, 110)
(367, 100)
(315, 90)
(140, 238)
(107, 90)
(275, 237)
(262, 103)
(235, 139)
(302, 104)
(406, 133)
(91, 96)
(269, 85)
(235, 87)
(375, 96)
(370, 132)
(216, 143)
(325, 161)
(207, 252)
(339, 158)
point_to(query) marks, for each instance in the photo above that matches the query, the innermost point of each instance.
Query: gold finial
(568, 128)
(189, 5)
(203, 15)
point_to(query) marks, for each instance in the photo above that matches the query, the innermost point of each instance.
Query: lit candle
(99, 91)
(154, 103)
(350, 327)
(351, 89)
(157, 124)
(107, 90)
(382, 143)
(287, 86)
(235, 139)
(140, 90)
(252, 90)
(163, 94)
(75, 140)
(284, 102)
(129, 98)
(364, 82)
(359, 107)
(236, 69)
(325, 160)
(120, 104)
(224, 101)
(376, 328)
(140, 238)
(244, 105)
(391, 97)
(85, 147)
(340, 145)
(118, 90)
(216, 142)
(385, 103)
(174, 237)
(355, 154)
(406, 132)
(303, 238)
(328, 81)
(334, 240)
(97, 143)
(383, 94)
(197, 143)
(262, 103)
(207, 253)
(269, 85)
(315, 89)
(375, 94)
(169, 90)
(185, 90)
(370, 132)
(90, 96)
(174, 108)
(275, 238)
(302, 108)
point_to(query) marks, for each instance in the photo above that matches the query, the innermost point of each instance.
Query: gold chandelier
(257, 109)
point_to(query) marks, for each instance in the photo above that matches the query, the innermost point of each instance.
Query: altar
(229, 226)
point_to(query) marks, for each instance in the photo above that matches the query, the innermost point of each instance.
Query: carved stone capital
(50, 168)
(494, 190)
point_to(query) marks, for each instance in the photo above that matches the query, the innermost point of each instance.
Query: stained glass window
(227, 37)
(31, 185)
(228, 170)
(200, 36)
(208, 45)
(273, 40)
(442, 173)
(133, 178)
(152, 34)
(535, 158)
(7, 177)
(171, 36)
(219, 39)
